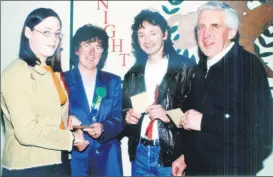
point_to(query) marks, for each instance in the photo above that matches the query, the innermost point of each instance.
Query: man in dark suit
(229, 122)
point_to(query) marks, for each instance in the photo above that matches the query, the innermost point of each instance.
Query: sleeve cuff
(205, 123)
(72, 139)
(101, 139)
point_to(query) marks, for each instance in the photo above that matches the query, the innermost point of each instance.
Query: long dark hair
(25, 53)
(154, 18)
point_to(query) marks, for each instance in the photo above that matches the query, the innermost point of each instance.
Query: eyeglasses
(57, 35)
(87, 46)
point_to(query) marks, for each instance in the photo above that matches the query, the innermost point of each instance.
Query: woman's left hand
(95, 131)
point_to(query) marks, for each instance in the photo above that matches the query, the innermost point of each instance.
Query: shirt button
(97, 151)
(158, 165)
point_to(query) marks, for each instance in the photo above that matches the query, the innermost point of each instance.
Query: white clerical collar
(219, 56)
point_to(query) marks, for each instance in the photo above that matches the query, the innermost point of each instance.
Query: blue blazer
(103, 155)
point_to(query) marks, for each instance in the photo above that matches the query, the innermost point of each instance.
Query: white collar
(161, 62)
(87, 80)
(219, 56)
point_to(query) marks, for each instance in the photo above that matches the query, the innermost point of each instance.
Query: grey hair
(231, 16)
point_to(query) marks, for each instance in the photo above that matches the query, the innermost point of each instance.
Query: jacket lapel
(166, 83)
(79, 92)
(139, 74)
(100, 82)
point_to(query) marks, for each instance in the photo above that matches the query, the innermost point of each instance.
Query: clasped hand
(191, 120)
(154, 112)
(80, 143)
(95, 131)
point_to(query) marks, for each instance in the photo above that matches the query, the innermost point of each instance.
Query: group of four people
(227, 123)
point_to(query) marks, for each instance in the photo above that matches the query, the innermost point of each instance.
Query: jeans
(147, 163)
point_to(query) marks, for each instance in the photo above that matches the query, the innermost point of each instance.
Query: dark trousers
(50, 170)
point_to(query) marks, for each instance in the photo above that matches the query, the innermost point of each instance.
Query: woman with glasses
(95, 100)
(35, 103)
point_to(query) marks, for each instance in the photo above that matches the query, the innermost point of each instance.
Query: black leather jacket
(173, 92)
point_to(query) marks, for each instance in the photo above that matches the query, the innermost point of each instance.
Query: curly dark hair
(90, 33)
(153, 18)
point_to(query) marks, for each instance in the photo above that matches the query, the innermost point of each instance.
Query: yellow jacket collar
(39, 69)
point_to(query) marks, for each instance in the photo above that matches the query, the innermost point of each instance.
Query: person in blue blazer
(95, 100)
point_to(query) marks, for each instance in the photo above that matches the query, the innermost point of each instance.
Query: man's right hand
(132, 117)
(178, 166)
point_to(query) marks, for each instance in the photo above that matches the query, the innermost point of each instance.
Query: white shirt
(219, 56)
(89, 87)
(154, 74)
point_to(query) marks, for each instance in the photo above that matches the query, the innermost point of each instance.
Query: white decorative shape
(227, 116)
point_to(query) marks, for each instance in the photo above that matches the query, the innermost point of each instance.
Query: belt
(147, 142)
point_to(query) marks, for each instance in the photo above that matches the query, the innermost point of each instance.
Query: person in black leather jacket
(167, 78)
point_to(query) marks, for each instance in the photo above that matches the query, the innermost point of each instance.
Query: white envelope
(140, 102)
(176, 115)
